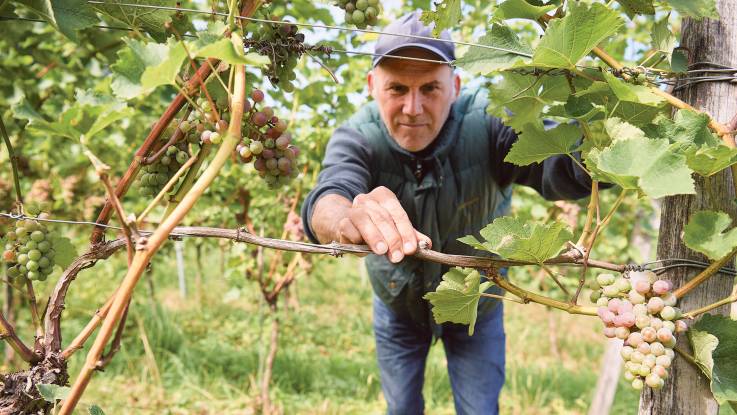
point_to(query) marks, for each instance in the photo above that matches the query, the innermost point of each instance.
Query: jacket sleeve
(345, 171)
(556, 178)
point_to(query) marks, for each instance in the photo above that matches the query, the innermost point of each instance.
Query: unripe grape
(634, 339)
(23, 259)
(245, 152)
(628, 375)
(656, 323)
(636, 298)
(670, 299)
(11, 236)
(637, 356)
(361, 4)
(605, 279)
(623, 284)
(654, 381)
(669, 313)
(657, 349)
(215, 138)
(644, 369)
(32, 265)
(670, 325)
(626, 352)
(358, 17)
(37, 236)
(34, 254)
(269, 143)
(660, 371)
(371, 13)
(601, 302)
(256, 147)
(33, 275)
(639, 310)
(644, 348)
(681, 326)
(182, 157)
(670, 343)
(649, 361)
(655, 304)
(611, 291)
(350, 8)
(638, 384)
(642, 321)
(44, 262)
(31, 245)
(593, 297)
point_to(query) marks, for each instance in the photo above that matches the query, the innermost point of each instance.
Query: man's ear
(457, 84)
(370, 82)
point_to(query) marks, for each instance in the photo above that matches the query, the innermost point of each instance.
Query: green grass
(202, 357)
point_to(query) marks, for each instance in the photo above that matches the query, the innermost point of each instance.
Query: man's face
(414, 97)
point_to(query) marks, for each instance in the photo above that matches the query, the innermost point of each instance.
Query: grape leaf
(457, 297)
(714, 341)
(634, 7)
(131, 64)
(706, 232)
(709, 160)
(478, 60)
(212, 44)
(66, 253)
(37, 123)
(569, 39)
(95, 410)
(645, 164)
(446, 15)
(526, 97)
(148, 19)
(66, 16)
(536, 144)
(663, 38)
(632, 93)
(521, 9)
(164, 72)
(52, 393)
(513, 238)
(102, 109)
(697, 9)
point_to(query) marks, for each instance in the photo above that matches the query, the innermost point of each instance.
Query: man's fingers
(388, 229)
(402, 223)
(370, 233)
(425, 238)
(348, 233)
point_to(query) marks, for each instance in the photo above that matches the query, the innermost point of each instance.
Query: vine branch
(13, 163)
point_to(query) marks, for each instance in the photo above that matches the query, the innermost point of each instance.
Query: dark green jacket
(464, 187)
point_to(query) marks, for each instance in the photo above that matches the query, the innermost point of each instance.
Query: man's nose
(413, 104)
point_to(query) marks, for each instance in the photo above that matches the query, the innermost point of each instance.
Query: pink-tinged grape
(642, 286)
(280, 126)
(656, 323)
(605, 279)
(610, 332)
(205, 137)
(627, 319)
(661, 287)
(221, 126)
(294, 150)
(626, 352)
(625, 307)
(681, 326)
(271, 132)
(664, 335)
(260, 165)
(663, 360)
(649, 334)
(655, 304)
(670, 343)
(644, 348)
(245, 152)
(283, 164)
(606, 316)
(669, 313)
(654, 381)
(634, 339)
(657, 348)
(638, 384)
(256, 147)
(268, 112)
(259, 119)
(246, 106)
(670, 299)
(271, 164)
(636, 298)
(613, 305)
(274, 120)
(660, 371)
(257, 95)
(267, 154)
(282, 142)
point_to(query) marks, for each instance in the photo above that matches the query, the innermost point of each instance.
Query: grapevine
(639, 308)
(155, 175)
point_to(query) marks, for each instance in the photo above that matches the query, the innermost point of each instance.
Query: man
(424, 162)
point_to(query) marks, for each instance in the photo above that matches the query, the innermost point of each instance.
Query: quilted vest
(456, 197)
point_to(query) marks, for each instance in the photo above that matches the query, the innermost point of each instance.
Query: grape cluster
(29, 251)
(361, 12)
(282, 44)
(640, 309)
(267, 143)
(157, 174)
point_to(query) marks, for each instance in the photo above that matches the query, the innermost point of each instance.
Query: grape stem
(178, 133)
(502, 297)
(14, 165)
(705, 274)
(688, 357)
(34, 313)
(167, 187)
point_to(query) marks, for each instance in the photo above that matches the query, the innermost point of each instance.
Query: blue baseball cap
(410, 25)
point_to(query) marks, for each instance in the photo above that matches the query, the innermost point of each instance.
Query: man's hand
(376, 218)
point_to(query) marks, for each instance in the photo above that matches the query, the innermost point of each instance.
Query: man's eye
(398, 89)
(429, 88)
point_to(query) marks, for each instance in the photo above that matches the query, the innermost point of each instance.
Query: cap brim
(430, 48)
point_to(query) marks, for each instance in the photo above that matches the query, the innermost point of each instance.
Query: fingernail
(396, 256)
(381, 248)
(407, 247)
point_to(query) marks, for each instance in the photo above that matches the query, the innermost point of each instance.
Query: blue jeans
(475, 363)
